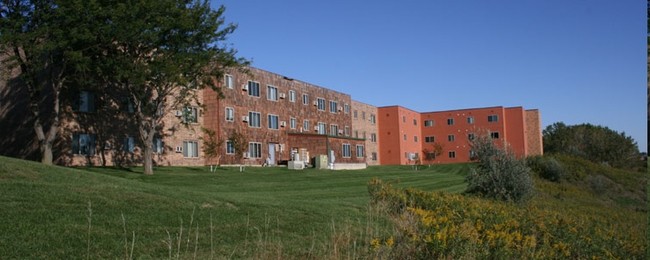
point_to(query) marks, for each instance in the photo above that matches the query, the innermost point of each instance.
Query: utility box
(296, 165)
(321, 161)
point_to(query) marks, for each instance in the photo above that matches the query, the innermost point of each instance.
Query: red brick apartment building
(279, 116)
(406, 134)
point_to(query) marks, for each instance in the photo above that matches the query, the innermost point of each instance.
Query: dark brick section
(319, 144)
(283, 107)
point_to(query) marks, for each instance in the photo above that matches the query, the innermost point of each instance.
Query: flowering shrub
(442, 225)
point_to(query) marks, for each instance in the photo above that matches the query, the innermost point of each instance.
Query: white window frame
(493, 118)
(346, 108)
(292, 96)
(450, 121)
(333, 106)
(271, 93)
(361, 151)
(322, 128)
(230, 114)
(470, 120)
(321, 104)
(373, 119)
(190, 115)
(430, 139)
(254, 150)
(253, 88)
(158, 145)
(451, 138)
(428, 123)
(273, 121)
(228, 81)
(346, 153)
(84, 143)
(334, 129)
(230, 147)
(254, 119)
(293, 123)
(305, 99)
(305, 125)
(452, 154)
(373, 137)
(190, 149)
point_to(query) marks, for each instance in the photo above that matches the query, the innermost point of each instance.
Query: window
(190, 115)
(273, 122)
(321, 104)
(129, 144)
(470, 120)
(405, 138)
(493, 118)
(158, 145)
(83, 144)
(334, 129)
(451, 138)
(254, 119)
(292, 123)
(360, 151)
(346, 151)
(84, 102)
(127, 105)
(253, 89)
(346, 108)
(227, 81)
(471, 136)
(430, 156)
(356, 134)
(452, 154)
(374, 156)
(230, 147)
(415, 122)
(254, 150)
(415, 138)
(271, 93)
(355, 114)
(472, 154)
(190, 149)
(428, 123)
(373, 120)
(305, 125)
(333, 106)
(373, 137)
(347, 131)
(305, 99)
(292, 96)
(450, 121)
(429, 139)
(364, 135)
(363, 115)
(403, 119)
(321, 128)
(230, 114)
(494, 135)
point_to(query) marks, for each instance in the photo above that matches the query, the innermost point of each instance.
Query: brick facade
(365, 126)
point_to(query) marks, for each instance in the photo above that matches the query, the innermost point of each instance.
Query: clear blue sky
(581, 61)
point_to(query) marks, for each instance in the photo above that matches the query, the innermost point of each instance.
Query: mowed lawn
(57, 212)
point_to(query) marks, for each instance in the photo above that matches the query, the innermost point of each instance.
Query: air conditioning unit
(244, 87)
(178, 113)
(179, 149)
(283, 96)
(244, 118)
(246, 155)
(316, 128)
(340, 132)
(315, 103)
(283, 123)
(340, 109)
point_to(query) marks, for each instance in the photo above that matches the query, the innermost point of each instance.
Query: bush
(499, 174)
(547, 168)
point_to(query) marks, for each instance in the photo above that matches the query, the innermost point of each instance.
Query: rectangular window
(321, 104)
(129, 144)
(429, 139)
(158, 145)
(415, 122)
(230, 147)
(271, 93)
(471, 136)
(355, 114)
(305, 125)
(127, 105)
(450, 121)
(230, 114)
(273, 122)
(253, 89)
(292, 96)
(254, 119)
(363, 115)
(360, 151)
(373, 137)
(228, 82)
(415, 138)
(334, 129)
(292, 123)
(333, 106)
(451, 138)
(190, 115)
(305, 99)
(83, 144)
(321, 128)
(373, 119)
(494, 135)
(403, 119)
(346, 151)
(470, 120)
(364, 135)
(190, 149)
(428, 123)
(84, 102)
(493, 118)
(347, 130)
(405, 138)
(356, 134)
(374, 156)
(452, 154)
(346, 108)
(254, 150)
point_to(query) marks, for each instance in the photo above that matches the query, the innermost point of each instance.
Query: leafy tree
(212, 145)
(595, 143)
(240, 143)
(433, 153)
(498, 174)
(45, 41)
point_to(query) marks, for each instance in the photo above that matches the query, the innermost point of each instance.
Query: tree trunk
(146, 135)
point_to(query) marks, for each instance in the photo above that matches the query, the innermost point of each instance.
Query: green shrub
(547, 168)
(498, 174)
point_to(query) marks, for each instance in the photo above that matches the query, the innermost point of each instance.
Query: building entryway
(271, 159)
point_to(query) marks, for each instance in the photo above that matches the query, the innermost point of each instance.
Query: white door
(271, 160)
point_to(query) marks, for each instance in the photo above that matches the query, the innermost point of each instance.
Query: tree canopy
(595, 143)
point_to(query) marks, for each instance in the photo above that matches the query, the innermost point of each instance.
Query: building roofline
(297, 80)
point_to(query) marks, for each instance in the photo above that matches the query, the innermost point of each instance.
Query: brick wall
(363, 126)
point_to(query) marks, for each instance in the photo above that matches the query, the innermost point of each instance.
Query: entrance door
(271, 160)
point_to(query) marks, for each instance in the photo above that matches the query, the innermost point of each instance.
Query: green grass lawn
(56, 212)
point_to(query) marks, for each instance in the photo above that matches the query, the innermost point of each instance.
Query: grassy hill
(57, 212)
